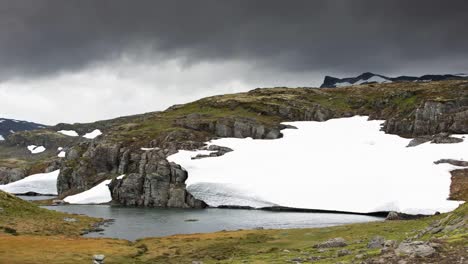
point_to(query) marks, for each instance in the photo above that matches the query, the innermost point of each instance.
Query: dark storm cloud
(45, 37)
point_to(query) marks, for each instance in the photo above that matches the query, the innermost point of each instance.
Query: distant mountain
(369, 77)
(9, 126)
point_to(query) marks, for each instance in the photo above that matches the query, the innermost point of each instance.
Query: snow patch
(99, 194)
(36, 149)
(61, 154)
(376, 79)
(42, 183)
(1, 138)
(342, 84)
(148, 149)
(93, 135)
(71, 133)
(345, 164)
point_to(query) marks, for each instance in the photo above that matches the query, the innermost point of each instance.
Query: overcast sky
(85, 60)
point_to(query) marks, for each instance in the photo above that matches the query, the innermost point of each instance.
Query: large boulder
(415, 249)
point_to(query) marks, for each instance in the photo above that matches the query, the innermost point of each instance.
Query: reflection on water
(133, 223)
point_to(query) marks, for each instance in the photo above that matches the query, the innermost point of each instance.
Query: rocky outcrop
(158, 184)
(8, 175)
(150, 179)
(432, 117)
(460, 163)
(442, 138)
(216, 152)
(459, 185)
(86, 165)
(231, 127)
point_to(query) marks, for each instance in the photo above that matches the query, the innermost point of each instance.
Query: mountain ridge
(369, 77)
(10, 126)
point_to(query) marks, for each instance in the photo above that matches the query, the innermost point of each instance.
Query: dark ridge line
(32, 194)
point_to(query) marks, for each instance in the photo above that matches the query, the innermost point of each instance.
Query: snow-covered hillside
(42, 183)
(344, 164)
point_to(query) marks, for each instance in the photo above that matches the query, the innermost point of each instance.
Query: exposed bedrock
(150, 179)
(231, 127)
(8, 175)
(431, 118)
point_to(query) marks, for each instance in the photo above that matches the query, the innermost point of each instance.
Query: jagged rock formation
(417, 110)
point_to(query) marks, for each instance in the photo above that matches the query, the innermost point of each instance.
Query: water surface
(36, 197)
(133, 223)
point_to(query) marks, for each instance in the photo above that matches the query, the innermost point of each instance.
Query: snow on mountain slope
(96, 195)
(92, 135)
(70, 133)
(345, 164)
(42, 183)
(99, 194)
(376, 79)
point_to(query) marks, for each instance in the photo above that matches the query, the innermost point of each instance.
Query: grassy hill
(19, 217)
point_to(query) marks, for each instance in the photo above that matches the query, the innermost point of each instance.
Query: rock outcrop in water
(150, 179)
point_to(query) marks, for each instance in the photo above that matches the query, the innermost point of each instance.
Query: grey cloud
(42, 37)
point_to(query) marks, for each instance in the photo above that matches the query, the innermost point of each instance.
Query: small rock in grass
(360, 256)
(98, 259)
(343, 252)
(390, 243)
(297, 260)
(70, 219)
(334, 242)
(376, 242)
